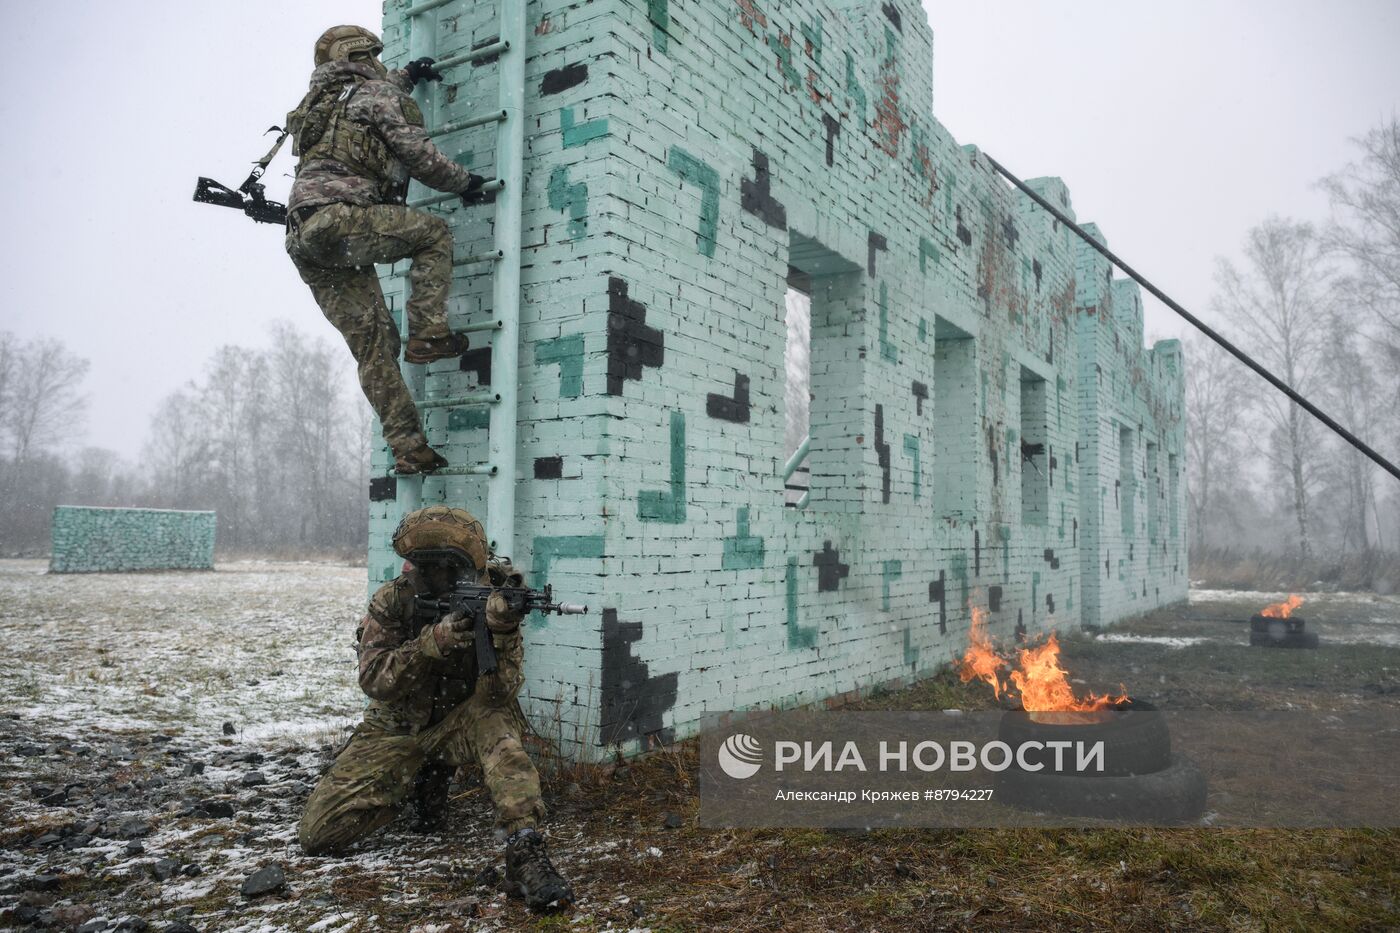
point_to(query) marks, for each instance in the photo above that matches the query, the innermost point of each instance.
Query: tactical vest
(322, 129)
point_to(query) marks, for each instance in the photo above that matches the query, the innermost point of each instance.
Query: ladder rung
(495, 116)
(494, 256)
(427, 6)
(494, 184)
(481, 326)
(486, 51)
(481, 469)
(462, 401)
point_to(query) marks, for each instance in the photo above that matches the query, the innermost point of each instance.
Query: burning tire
(1175, 794)
(1283, 639)
(1134, 734)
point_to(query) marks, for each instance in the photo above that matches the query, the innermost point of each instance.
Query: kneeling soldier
(430, 713)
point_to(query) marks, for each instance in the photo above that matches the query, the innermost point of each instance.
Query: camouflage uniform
(346, 213)
(423, 708)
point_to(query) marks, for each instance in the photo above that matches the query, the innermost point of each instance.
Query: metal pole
(505, 345)
(1200, 325)
(422, 26)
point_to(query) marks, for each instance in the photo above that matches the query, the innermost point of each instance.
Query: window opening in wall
(1173, 488)
(1126, 483)
(797, 392)
(955, 422)
(1154, 493)
(1035, 450)
(823, 420)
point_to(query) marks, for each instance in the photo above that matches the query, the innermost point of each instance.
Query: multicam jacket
(376, 143)
(411, 683)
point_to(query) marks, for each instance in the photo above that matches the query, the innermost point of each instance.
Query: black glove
(473, 194)
(422, 69)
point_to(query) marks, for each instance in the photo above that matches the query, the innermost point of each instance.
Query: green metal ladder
(500, 399)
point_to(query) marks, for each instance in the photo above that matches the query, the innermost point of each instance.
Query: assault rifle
(248, 197)
(471, 600)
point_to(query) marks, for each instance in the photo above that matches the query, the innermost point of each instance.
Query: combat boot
(421, 459)
(429, 799)
(426, 350)
(529, 873)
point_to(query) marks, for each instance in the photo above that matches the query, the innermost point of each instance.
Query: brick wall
(98, 540)
(972, 367)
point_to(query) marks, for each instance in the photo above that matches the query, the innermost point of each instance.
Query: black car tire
(1176, 794)
(1135, 740)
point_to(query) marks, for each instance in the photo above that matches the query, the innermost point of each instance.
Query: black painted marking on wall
(1009, 232)
(920, 391)
(549, 468)
(1053, 463)
(1036, 270)
(734, 409)
(882, 451)
(976, 552)
(1050, 603)
(833, 129)
(1117, 484)
(561, 79)
(875, 242)
(994, 599)
(633, 701)
(477, 63)
(1075, 542)
(756, 196)
(892, 14)
(1107, 563)
(992, 455)
(938, 593)
(964, 234)
(383, 488)
(830, 570)
(631, 343)
(1020, 630)
(1130, 552)
(1051, 559)
(478, 361)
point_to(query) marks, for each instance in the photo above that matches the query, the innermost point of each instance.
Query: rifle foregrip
(485, 651)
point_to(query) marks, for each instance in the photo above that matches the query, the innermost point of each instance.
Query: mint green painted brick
(698, 173)
(571, 198)
(888, 351)
(103, 540)
(668, 506)
(911, 449)
(469, 419)
(579, 134)
(890, 571)
(928, 251)
(743, 551)
(798, 636)
(812, 32)
(567, 351)
(853, 89)
(548, 550)
(911, 653)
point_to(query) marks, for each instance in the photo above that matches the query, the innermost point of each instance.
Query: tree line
(1319, 306)
(268, 438)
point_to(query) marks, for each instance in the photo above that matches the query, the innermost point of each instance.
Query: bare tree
(40, 384)
(1366, 197)
(1215, 404)
(1279, 300)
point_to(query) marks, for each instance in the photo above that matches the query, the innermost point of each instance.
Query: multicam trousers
(335, 250)
(373, 776)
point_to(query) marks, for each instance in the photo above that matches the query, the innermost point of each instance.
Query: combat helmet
(440, 531)
(339, 42)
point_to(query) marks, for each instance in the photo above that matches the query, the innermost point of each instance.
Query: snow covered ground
(159, 735)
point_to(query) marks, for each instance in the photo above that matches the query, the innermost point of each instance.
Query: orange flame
(982, 661)
(1284, 609)
(1037, 679)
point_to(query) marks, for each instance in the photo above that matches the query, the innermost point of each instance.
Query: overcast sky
(1176, 127)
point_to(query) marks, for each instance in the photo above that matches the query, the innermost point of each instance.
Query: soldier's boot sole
(419, 460)
(432, 349)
